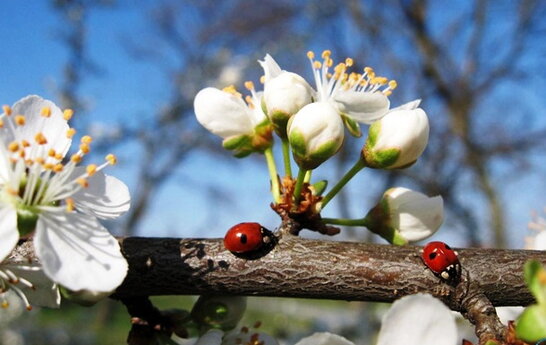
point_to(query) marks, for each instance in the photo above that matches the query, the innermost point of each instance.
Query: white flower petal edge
(324, 338)
(44, 292)
(78, 252)
(55, 130)
(222, 113)
(8, 230)
(418, 320)
(212, 337)
(106, 197)
(271, 68)
(363, 107)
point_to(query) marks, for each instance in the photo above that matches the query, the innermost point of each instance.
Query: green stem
(359, 165)
(286, 157)
(345, 221)
(299, 184)
(272, 167)
(307, 178)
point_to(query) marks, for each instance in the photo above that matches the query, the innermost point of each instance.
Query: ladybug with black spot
(442, 260)
(245, 238)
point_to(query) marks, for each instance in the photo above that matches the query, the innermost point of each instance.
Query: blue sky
(32, 62)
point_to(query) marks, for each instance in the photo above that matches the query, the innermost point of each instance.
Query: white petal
(364, 107)
(44, 292)
(77, 252)
(408, 106)
(212, 337)
(324, 338)
(8, 230)
(288, 92)
(539, 241)
(53, 128)
(418, 320)
(271, 67)
(106, 197)
(222, 113)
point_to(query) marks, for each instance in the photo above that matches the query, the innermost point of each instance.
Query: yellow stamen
(262, 79)
(58, 168)
(19, 120)
(22, 153)
(76, 158)
(91, 169)
(13, 146)
(387, 93)
(48, 166)
(85, 148)
(12, 191)
(231, 89)
(67, 114)
(51, 153)
(5, 304)
(82, 182)
(69, 205)
(249, 85)
(40, 138)
(317, 65)
(6, 109)
(393, 84)
(379, 80)
(70, 133)
(29, 307)
(349, 62)
(25, 143)
(326, 54)
(329, 62)
(112, 159)
(86, 139)
(40, 160)
(1, 123)
(310, 55)
(45, 112)
(58, 156)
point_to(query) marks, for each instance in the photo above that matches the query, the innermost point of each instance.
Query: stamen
(40, 160)
(58, 168)
(1, 123)
(85, 148)
(13, 146)
(51, 152)
(231, 89)
(76, 158)
(326, 54)
(40, 138)
(86, 139)
(69, 205)
(58, 156)
(5, 304)
(25, 143)
(91, 169)
(67, 114)
(48, 166)
(311, 55)
(349, 62)
(45, 112)
(82, 182)
(6, 109)
(112, 159)
(262, 79)
(19, 120)
(249, 85)
(70, 133)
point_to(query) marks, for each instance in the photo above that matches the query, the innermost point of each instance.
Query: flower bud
(285, 93)
(223, 312)
(404, 216)
(398, 139)
(84, 298)
(315, 134)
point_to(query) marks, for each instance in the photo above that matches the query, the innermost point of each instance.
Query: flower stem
(272, 167)
(359, 165)
(286, 157)
(299, 184)
(345, 221)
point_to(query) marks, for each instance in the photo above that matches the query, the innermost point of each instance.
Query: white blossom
(58, 203)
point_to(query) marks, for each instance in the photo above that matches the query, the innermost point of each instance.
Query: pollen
(91, 169)
(67, 114)
(58, 168)
(86, 139)
(393, 84)
(29, 307)
(69, 204)
(82, 182)
(310, 55)
(58, 156)
(76, 158)
(19, 120)
(249, 85)
(326, 54)
(13, 146)
(70, 133)
(231, 89)
(51, 153)
(25, 143)
(1, 123)
(45, 112)
(349, 62)
(40, 138)
(85, 148)
(317, 64)
(262, 79)
(112, 159)
(40, 160)
(48, 166)
(6, 109)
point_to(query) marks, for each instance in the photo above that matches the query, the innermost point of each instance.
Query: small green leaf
(319, 187)
(531, 324)
(352, 126)
(235, 142)
(297, 142)
(373, 134)
(535, 277)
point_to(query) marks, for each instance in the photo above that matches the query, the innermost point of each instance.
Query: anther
(1, 123)
(349, 62)
(262, 79)
(40, 138)
(58, 168)
(111, 159)
(82, 182)
(48, 166)
(326, 54)
(67, 114)
(76, 158)
(6, 109)
(25, 143)
(58, 156)
(5, 304)
(45, 112)
(19, 120)
(40, 160)
(13, 146)
(317, 64)
(51, 152)
(85, 148)
(70, 133)
(91, 169)
(249, 85)
(310, 55)
(393, 84)
(86, 139)
(29, 307)
(69, 205)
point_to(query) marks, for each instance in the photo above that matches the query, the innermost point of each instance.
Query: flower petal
(222, 113)
(212, 337)
(418, 320)
(422, 218)
(44, 292)
(53, 128)
(271, 67)
(408, 106)
(364, 107)
(8, 230)
(106, 197)
(324, 338)
(77, 252)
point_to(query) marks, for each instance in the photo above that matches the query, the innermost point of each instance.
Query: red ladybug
(442, 260)
(244, 238)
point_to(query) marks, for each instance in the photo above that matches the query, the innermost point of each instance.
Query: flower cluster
(311, 122)
(49, 197)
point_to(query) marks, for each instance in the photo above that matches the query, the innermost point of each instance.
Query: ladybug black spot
(447, 247)
(243, 238)
(431, 256)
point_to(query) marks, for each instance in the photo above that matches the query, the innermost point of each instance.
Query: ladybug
(245, 238)
(442, 260)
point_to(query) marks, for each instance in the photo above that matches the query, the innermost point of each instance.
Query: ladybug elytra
(442, 260)
(244, 237)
